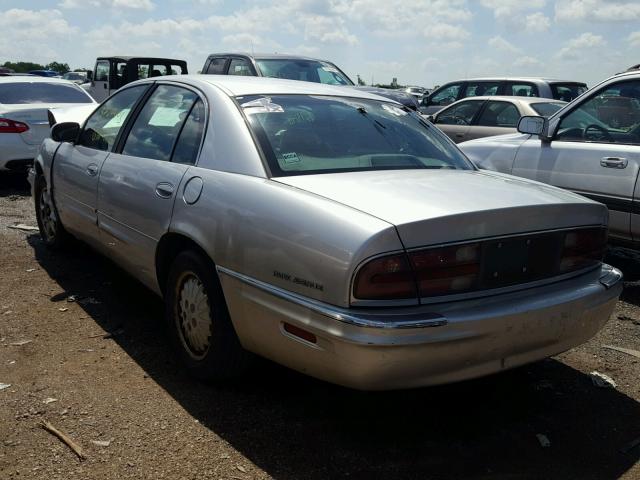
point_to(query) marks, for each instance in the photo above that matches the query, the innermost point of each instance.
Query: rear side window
(104, 124)
(567, 91)
(41, 92)
(216, 66)
(158, 125)
(239, 66)
(521, 90)
(460, 114)
(188, 144)
(477, 89)
(499, 114)
(445, 96)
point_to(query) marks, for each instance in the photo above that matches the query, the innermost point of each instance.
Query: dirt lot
(128, 392)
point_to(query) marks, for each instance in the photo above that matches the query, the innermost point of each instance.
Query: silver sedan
(486, 116)
(327, 229)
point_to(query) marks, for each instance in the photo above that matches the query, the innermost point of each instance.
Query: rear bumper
(426, 345)
(15, 154)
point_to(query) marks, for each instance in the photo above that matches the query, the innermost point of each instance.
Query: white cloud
(327, 29)
(499, 43)
(444, 31)
(132, 4)
(597, 10)
(506, 9)
(537, 23)
(583, 47)
(634, 39)
(527, 62)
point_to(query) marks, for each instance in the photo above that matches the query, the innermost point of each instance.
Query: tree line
(24, 67)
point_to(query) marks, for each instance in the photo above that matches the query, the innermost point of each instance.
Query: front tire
(198, 320)
(52, 232)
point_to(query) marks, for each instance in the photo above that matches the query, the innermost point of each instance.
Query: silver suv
(519, 87)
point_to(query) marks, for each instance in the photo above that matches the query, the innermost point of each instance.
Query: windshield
(305, 70)
(302, 135)
(567, 91)
(41, 92)
(547, 109)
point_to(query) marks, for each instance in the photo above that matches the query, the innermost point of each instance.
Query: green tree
(61, 68)
(361, 82)
(23, 67)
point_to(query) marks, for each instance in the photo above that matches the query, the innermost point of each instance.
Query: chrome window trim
(384, 320)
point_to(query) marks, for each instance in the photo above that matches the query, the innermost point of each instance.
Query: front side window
(158, 125)
(102, 71)
(445, 96)
(41, 92)
(460, 114)
(302, 135)
(499, 114)
(239, 66)
(103, 126)
(546, 109)
(521, 90)
(477, 89)
(567, 91)
(305, 70)
(611, 116)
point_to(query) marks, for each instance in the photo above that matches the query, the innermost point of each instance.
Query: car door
(595, 151)
(77, 165)
(496, 118)
(139, 182)
(99, 88)
(456, 119)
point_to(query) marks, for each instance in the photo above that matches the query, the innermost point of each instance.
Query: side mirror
(532, 125)
(65, 131)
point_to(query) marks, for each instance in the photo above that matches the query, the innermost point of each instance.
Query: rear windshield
(547, 109)
(305, 70)
(41, 92)
(567, 91)
(302, 135)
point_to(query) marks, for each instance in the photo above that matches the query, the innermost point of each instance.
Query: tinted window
(521, 90)
(216, 66)
(445, 96)
(311, 134)
(499, 114)
(102, 72)
(143, 71)
(546, 109)
(305, 70)
(103, 126)
(239, 66)
(477, 89)
(611, 116)
(158, 124)
(188, 144)
(41, 92)
(460, 114)
(567, 91)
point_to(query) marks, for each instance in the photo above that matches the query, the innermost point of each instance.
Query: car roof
(129, 58)
(33, 79)
(516, 79)
(268, 56)
(235, 86)
(512, 98)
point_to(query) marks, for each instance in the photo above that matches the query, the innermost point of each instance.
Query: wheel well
(38, 168)
(169, 247)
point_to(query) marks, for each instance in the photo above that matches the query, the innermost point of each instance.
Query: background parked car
(24, 122)
(478, 117)
(521, 87)
(591, 146)
(77, 77)
(290, 67)
(326, 229)
(45, 73)
(399, 96)
(418, 92)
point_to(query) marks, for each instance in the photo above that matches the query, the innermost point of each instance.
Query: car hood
(438, 206)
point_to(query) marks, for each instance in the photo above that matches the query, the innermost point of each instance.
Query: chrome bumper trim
(387, 320)
(611, 276)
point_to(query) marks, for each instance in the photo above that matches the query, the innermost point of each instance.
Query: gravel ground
(127, 392)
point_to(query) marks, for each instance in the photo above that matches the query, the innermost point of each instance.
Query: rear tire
(52, 232)
(198, 320)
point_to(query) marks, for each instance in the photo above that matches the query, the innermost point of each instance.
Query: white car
(24, 121)
(591, 147)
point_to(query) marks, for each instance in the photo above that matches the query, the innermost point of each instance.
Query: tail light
(388, 278)
(583, 248)
(446, 270)
(12, 126)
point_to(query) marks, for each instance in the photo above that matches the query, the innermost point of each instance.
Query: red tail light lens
(12, 126)
(583, 248)
(446, 270)
(385, 278)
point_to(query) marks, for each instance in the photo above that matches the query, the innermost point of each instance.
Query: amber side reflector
(300, 333)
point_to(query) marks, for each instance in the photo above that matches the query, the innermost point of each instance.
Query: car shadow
(14, 185)
(295, 427)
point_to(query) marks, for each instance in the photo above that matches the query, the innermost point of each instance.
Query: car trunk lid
(34, 116)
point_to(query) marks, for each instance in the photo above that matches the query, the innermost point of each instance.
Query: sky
(419, 42)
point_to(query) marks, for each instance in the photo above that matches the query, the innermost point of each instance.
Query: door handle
(164, 190)
(92, 169)
(613, 162)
